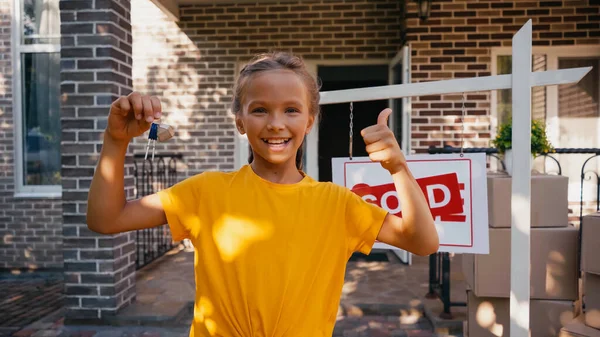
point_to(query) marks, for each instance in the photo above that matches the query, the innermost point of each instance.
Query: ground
(25, 299)
(381, 297)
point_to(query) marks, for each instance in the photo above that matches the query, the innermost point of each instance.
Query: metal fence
(439, 263)
(151, 176)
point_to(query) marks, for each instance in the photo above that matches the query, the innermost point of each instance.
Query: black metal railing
(439, 263)
(439, 283)
(151, 176)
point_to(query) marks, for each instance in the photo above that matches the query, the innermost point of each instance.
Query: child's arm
(108, 211)
(415, 231)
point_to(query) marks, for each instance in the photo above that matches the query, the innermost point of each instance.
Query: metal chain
(351, 127)
(462, 122)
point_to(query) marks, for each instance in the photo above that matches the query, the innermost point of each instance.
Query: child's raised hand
(130, 116)
(382, 145)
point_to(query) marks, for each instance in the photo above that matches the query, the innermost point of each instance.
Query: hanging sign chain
(351, 127)
(462, 122)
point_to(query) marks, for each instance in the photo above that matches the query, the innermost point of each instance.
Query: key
(152, 137)
(158, 132)
(165, 132)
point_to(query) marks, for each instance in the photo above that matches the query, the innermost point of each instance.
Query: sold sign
(454, 186)
(442, 192)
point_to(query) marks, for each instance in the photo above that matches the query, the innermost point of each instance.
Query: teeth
(276, 141)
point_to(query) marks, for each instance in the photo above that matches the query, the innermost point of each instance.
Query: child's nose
(276, 122)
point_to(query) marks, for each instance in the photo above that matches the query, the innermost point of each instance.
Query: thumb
(382, 119)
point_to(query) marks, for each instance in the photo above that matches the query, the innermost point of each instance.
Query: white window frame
(22, 190)
(552, 56)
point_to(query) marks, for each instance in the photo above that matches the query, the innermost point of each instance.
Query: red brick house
(63, 62)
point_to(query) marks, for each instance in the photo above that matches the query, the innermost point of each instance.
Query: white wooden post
(521, 183)
(520, 82)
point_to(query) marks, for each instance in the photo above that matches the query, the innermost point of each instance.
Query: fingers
(378, 146)
(381, 155)
(121, 106)
(156, 106)
(372, 135)
(382, 124)
(135, 99)
(147, 107)
(382, 119)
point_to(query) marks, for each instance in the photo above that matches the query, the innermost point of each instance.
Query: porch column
(95, 69)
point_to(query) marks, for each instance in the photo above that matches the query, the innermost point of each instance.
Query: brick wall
(95, 70)
(191, 65)
(30, 229)
(456, 42)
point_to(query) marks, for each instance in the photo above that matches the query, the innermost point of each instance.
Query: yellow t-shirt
(270, 258)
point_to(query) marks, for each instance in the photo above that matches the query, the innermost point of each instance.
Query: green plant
(539, 139)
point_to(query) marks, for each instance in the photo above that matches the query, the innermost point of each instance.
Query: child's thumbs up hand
(382, 145)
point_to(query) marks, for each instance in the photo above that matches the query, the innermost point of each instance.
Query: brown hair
(278, 61)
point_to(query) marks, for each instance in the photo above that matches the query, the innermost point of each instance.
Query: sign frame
(474, 193)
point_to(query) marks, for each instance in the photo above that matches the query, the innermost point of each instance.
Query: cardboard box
(576, 328)
(549, 200)
(554, 274)
(591, 300)
(491, 316)
(590, 243)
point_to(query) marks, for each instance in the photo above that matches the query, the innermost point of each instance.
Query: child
(271, 243)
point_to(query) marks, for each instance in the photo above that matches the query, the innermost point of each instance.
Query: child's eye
(292, 110)
(259, 110)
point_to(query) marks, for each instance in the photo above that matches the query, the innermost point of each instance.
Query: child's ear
(240, 125)
(311, 123)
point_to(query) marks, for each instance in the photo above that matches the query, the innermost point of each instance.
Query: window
(571, 111)
(579, 100)
(504, 97)
(36, 37)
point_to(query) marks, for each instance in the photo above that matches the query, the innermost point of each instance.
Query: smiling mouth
(276, 141)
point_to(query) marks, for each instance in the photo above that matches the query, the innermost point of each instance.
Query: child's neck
(277, 173)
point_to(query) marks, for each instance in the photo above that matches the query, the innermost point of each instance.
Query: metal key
(158, 132)
(152, 137)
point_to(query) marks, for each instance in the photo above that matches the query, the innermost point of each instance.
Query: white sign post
(521, 184)
(520, 82)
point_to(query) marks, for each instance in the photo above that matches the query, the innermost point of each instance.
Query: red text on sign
(443, 194)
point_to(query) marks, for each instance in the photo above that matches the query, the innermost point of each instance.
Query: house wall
(30, 229)
(191, 65)
(457, 40)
